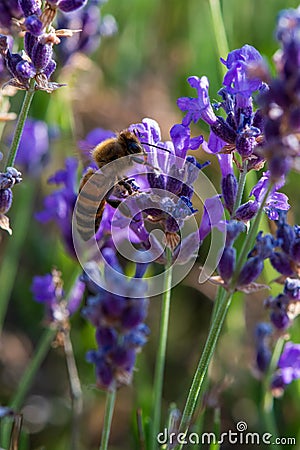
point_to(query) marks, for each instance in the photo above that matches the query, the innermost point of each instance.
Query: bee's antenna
(137, 133)
(156, 146)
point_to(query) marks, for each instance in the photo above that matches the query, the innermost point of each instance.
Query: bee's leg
(129, 184)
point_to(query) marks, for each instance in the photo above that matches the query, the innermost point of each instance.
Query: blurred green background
(140, 72)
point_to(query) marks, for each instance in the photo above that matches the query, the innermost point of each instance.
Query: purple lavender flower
(177, 174)
(120, 331)
(59, 205)
(239, 131)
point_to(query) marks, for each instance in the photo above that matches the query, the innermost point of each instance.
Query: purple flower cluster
(284, 307)
(239, 137)
(286, 259)
(240, 132)
(37, 62)
(280, 103)
(48, 290)
(119, 323)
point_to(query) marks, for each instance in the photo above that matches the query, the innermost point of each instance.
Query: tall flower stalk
(161, 352)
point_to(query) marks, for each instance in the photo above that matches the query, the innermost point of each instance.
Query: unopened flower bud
(30, 7)
(281, 263)
(263, 357)
(251, 270)
(227, 263)
(25, 69)
(247, 211)
(229, 190)
(224, 131)
(245, 145)
(34, 25)
(71, 5)
(41, 55)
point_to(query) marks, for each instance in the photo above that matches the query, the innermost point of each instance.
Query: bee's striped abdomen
(88, 209)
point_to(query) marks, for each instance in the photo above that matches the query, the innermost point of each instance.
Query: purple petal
(212, 216)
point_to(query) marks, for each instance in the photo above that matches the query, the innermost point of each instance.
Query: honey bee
(112, 149)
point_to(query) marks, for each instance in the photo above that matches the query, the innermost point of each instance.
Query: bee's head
(132, 142)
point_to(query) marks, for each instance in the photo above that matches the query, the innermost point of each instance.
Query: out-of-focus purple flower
(67, 6)
(279, 104)
(59, 205)
(120, 331)
(9, 9)
(92, 139)
(286, 259)
(289, 362)
(263, 332)
(48, 289)
(288, 368)
(276, 200)
(93, 27)
(34, 147)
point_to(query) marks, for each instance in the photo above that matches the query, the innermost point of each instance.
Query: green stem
(203, 364)
(267, 404)
(10, 263)
(161, 352)
(109, 409)
(29, 375)
(76, 392)
(219, 31)
(241, 186)
(20, 124)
